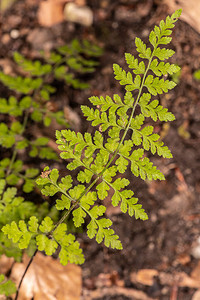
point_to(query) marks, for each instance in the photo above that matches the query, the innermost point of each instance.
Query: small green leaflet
(142, 49)
(7, 287)
(153, 109)
(158, 86)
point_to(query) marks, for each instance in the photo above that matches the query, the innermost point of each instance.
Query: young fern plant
(30, 104)
(33, 86)
(99, 158)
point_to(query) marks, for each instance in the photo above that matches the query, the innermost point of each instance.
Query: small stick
(30, 261)
(174, 292)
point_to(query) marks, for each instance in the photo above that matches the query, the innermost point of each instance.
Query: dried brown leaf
(47, 279)
(5, 264)
(191, 11)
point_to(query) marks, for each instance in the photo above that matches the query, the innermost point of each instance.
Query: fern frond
(158, 86)
(99, 158)
(20, 84)
(150, 141)
(142, 49)
(153, 109)
(35, 68)
(162, 68)
(138, 68)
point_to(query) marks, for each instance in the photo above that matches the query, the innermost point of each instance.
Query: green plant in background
(100, 159)
(197, 74)
(33, 91)
(7, 287)
(29, 106)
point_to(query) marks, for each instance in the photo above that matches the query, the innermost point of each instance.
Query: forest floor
(161, 256)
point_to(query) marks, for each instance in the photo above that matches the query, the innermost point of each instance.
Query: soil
(168, 241)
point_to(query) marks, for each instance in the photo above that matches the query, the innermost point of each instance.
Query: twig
(174, 292)
(30, 261)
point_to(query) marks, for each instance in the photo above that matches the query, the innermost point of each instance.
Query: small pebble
(14, 34)
(78, 14)
(195, 251)
(5, 39)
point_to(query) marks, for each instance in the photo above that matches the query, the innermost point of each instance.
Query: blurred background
(161, 256)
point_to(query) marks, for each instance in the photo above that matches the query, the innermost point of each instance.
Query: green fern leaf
(97, 211)
(88, 200)
(122, 164)
(139, 212)
(158, 86)
(98, 157)
(77, 191)
(64, 203)
(142, 49)
(150, 141)
(20, 84)
(102, 190)
(70, 249)
(78, 216)
(122, 76)
(33, 224)
(45, 244)
(138, 68)
(60, 232)
(110, 239)
(163, 53)
(92, 229)
(143, 167)
(154, 110)
(72, 254)
(109, 173)
(85, 176)
(46, 225)
(162, 68)
(7, 287)
(34, 68)
(19, 234)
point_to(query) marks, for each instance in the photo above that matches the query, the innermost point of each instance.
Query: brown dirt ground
(166, 241)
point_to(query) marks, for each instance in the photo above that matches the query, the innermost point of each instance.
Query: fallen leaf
(5, 264)
(190, 13)
(47, 279)
(196, 295)
(195, 274)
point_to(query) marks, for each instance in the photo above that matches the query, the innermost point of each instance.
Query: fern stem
(131, 117)
(120, 143)
(114, 155)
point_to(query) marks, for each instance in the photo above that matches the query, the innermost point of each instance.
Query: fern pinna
(99, 158)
